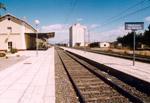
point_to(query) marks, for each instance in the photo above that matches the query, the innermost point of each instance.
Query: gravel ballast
(64, 90)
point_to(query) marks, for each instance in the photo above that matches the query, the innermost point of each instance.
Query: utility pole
(89, 36)
(84, 38)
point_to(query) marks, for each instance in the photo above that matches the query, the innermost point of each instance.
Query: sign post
(134, 26)
(134, 34)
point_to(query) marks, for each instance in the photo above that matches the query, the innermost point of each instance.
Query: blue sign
(134, 25)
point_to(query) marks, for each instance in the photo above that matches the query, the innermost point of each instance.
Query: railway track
(95, 86)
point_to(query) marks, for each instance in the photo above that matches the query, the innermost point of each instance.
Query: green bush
(2, 54)
(14, 50)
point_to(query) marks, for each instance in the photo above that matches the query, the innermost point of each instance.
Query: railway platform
(29, 81)
(140, 70)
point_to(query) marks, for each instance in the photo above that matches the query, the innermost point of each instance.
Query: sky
(104, 18)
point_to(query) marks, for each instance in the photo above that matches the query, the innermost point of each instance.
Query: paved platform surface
(29, 81)
(140, 70)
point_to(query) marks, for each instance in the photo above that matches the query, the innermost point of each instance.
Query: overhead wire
(126, 15)
(129, 14)
(126, 10)
(73, 5)
(114, 18)
(120, 15)
(68, 16)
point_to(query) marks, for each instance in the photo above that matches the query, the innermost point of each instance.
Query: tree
(127, 40)
(146, 37)
(149, 27)
(2, 6)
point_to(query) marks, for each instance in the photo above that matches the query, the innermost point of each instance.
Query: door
(9, 46)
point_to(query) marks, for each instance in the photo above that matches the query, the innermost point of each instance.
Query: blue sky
(58, 15)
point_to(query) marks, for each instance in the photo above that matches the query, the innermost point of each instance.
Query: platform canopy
(42, 35)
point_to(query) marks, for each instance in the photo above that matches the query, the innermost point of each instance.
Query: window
(9, 28)
(9, 43)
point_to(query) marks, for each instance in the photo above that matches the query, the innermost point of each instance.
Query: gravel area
(11, 60)
(137, 52)
(64, 90)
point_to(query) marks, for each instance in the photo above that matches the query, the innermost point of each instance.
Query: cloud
(80, 19)
(110, 35)
(61, 32)
(93, 26)
(55, 28)
(147, 19)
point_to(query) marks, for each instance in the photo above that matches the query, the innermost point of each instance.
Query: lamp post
(37, 22)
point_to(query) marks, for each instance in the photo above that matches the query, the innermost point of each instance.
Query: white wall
(77, 33)
(14, 36)
(104, 44)
(17, 36)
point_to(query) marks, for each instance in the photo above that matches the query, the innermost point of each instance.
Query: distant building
(104, 44)
(17, 33)
(76, 35)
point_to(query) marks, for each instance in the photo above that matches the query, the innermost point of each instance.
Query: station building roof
(16, 20)
(42, 35)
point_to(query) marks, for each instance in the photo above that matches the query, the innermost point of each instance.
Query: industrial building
(77, 35)
(17, 33)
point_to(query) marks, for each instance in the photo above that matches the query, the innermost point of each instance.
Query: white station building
(17, 33)
(77, 35)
